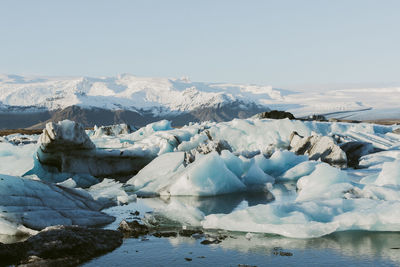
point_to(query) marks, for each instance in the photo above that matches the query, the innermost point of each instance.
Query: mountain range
(31, 101)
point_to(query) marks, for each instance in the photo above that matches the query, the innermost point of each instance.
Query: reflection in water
(351, 249)
(355, 245)
(223, 203)
(374, 244)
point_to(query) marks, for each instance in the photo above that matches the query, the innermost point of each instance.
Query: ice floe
(311, 218)
(312, 198)
(27, 205)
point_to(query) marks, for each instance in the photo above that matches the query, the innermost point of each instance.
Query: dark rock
(278, 251)
(190, 232)
(275, 114)
(189, 157)
(248, 154)
(283, 253)
(21, 140)
(136, 213)
(207, 147)
(165, 234)
(217, 145)
(113, 130)
(317, 147)
(197, 236)
(60, 246)
(133, 229)
(316, 117)
(340, 139)
(188, 259)
(355, 150)
(210, 241)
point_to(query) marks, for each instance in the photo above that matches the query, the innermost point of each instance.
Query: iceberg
(16, 160)
(157, 174)
(231, 159)
(111, 193)
(325, 182)
(207, 176)
(298, 171)
(310, 219)
(167, 175)
(66, 148)
(280, 162)
(390, 174)
(27, 205)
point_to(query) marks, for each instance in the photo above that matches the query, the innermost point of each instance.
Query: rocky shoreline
(60, 246)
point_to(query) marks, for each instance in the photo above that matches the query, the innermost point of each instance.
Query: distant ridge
(96, 116)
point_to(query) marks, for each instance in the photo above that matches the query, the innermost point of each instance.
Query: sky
(278, 42)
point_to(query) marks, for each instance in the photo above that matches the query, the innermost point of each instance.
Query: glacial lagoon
(349, 248)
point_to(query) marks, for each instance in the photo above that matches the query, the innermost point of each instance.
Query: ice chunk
(110, 193)
(181, 212)
(151, 128)
(281, 161)
(16, 160)
(20, 139)
(311, 219)
(376, 160)
(256, 176)
(36, 205)
(387, 192)
(262, 162)
(66, 148)
(298, 171)
(390, 174)
(233, 163)
(325, 182)
(66, 133)
(157, 173)
(213, 145)
(194, 142)
(83, 180)
(207, 176)
(70, 183)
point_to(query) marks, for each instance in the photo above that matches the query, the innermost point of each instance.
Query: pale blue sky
(271, 42)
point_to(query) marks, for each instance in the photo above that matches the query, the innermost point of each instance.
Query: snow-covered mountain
(148, 99)
(128, 92)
